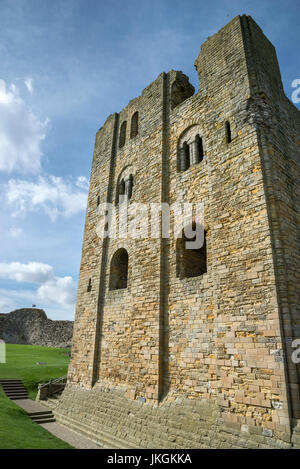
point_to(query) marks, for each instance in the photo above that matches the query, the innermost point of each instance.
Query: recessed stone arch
(122, 136)
(118, 275)
(191, 261)
(134, 127)
(190, 147)
(125, 184)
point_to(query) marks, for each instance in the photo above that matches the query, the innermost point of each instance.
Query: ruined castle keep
(195, 351)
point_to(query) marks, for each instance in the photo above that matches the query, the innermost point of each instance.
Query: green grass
(17, 431)
(21, 363)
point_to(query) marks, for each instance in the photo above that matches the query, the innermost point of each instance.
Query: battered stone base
(114, 421)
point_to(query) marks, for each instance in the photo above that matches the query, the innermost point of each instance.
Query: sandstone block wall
(224, 337)
(108, 417)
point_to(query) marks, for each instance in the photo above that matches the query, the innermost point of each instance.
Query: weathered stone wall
(223, 337)
(107, 416)
(32, 327)
(277, 122)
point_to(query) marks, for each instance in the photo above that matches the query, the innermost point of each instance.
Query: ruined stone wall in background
(31, 326)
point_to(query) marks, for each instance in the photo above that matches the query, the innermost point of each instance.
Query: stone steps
(42, 417)
(14, 389)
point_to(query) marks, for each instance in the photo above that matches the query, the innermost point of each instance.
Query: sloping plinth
(112, 420)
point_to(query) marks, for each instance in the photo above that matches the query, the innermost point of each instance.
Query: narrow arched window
(98, 200)
(190, 262)
(124, 189)
(187, 155)
(120, 190)
(190, 148)
(184, 157)
(134, 129)
(199, 148)
(130, 187)
(89, 287)
(119, 270)
(122, 137)
(228, 132)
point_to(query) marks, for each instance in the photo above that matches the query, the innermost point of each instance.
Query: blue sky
(65, 66)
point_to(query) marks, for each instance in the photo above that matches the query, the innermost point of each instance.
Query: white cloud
(82, 182)
(7, 304)
(33, 272)
(21, 132)
(15, 232)
(52, 289)
(29, 84)
(58, 290)
(53, 195)
(15, 299)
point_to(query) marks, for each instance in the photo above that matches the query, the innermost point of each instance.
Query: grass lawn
(21, 363)
(16, 429)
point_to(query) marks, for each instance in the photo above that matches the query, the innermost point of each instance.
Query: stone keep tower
(165, 355)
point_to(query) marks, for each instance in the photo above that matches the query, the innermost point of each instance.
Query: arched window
(89, 287)
(130, 187)
(124, 189)
(190, 262)
(120, 190)
(228, 132)
(122, 137)
(190, 148)
(199, 149)
(134, 129)
(184, 157)
(119, 270)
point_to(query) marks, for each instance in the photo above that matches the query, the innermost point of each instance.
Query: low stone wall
(113, 420)
(31, 326)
